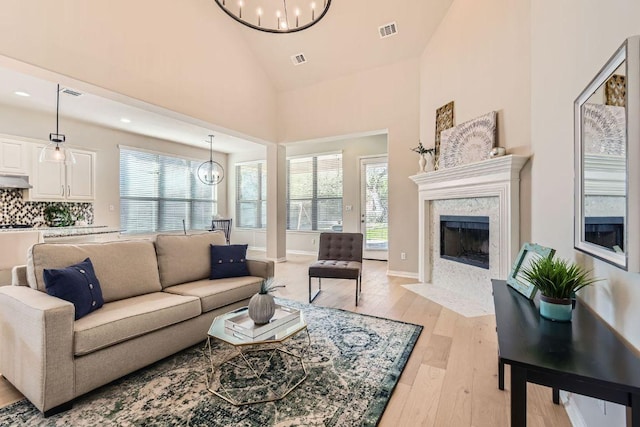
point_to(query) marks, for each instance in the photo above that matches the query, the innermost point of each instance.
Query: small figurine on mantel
(426, 157)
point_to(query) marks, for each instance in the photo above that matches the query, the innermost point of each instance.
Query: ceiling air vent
(388, 30)
(71, 92)
(298, 59)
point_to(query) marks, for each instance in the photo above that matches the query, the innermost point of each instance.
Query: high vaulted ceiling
(344, 42)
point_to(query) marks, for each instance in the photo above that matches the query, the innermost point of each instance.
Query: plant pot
(261, 308)
(555, 309)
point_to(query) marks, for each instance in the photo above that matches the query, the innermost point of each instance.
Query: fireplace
(465, 239)
(606, 231)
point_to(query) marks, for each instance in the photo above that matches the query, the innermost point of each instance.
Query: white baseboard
(407, 274)
(295, 252)
(575, 416)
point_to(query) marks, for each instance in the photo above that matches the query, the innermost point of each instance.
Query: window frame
(162, 200)
(262, 168)
(315, 199)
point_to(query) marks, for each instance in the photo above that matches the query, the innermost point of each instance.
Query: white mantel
(497, 177)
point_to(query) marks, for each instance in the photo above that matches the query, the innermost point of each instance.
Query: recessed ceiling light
(21, 93)
(125, 120)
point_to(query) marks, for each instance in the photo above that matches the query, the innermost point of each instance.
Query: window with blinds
(314, 193)
(158, 192)
(251, 195)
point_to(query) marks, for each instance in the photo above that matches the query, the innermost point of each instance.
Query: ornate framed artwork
(469, 142)
(529, 252)
(444, 120)
(616, 90)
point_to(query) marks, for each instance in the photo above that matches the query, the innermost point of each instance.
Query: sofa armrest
(260, 268)
(19, 275)
(36, 355)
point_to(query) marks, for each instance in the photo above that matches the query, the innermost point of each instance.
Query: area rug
(465, 304)
(354, 364)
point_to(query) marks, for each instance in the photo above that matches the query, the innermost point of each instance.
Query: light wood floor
(452, 375)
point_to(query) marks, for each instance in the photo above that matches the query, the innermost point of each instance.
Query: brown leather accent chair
(339, 257)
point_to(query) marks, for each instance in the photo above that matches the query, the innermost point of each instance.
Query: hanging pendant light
(55, 151)
(211, 172)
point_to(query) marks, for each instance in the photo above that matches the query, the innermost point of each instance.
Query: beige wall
(385, 98)
(578, 39)
(104, 142)
(571, 41)
(479, 58)
(352, 150)
(204, 70)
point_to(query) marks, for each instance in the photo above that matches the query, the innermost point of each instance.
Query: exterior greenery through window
(314, 193)
(158, 192)
(251, 195)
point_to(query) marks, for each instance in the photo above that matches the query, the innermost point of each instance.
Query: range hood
(14, 181)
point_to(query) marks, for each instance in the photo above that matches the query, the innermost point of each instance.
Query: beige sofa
(158, 300)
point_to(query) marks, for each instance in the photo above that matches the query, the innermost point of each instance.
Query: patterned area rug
(353, 366)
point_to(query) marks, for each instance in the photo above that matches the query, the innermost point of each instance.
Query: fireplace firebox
(607, 231)
(465, 239)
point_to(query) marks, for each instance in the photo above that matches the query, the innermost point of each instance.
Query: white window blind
(158, 192)
(251, 195)
(314, 192)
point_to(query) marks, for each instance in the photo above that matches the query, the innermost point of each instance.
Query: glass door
(374, 207)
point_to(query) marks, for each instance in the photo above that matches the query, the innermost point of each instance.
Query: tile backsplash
(17, 211)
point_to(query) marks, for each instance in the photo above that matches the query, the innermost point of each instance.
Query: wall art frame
(469, 142)
(528, 253)
(444, 120)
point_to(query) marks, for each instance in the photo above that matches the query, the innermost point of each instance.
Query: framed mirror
(607, 161)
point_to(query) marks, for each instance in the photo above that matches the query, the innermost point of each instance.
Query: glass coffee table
(244, 369)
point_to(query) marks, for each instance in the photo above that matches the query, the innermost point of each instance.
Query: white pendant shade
(57, 153)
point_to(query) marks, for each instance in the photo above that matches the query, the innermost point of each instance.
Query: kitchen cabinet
(57, 181)
(13, 156)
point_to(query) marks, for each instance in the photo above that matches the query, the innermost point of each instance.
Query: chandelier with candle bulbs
(276, 16)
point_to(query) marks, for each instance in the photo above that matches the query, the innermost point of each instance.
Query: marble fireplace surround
(497, 177)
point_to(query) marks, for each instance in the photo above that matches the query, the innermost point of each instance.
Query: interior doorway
(374, 206)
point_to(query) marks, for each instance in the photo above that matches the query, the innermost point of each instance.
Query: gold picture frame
(444, 120)
(528, 253)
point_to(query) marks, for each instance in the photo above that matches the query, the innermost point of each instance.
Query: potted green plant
(57, 215)
(262, 307)
(557, 280)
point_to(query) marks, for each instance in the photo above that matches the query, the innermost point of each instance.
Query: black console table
(583, 356)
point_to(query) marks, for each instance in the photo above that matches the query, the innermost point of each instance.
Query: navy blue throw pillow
(228, 261)
(77, 284)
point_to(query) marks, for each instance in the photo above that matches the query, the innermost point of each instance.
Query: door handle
(68, 190)
(62, 192)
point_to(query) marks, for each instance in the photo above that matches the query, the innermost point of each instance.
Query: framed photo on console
(529, 252)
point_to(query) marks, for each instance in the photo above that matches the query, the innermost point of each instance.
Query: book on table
(243, 324)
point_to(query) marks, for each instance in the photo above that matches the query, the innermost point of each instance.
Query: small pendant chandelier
(54, 151)
(276, 16)
(211, 172)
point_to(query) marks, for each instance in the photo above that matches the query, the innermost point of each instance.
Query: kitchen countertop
(66, 231)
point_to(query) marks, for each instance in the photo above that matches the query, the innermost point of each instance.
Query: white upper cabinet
(13, 157)
(55, 181)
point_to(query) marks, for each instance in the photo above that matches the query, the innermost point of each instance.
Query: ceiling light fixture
(21, 93)
(54, 151)
(125, 120)
(276, 16)
(211, 172)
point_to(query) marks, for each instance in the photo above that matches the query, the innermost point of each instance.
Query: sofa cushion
(77, 284)
(125, 268)
(218, 293)
(122, 320)
(228, 261)
(183, 258)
